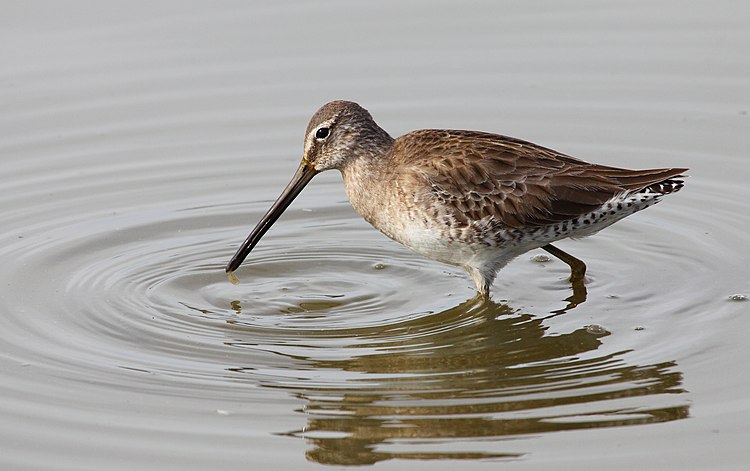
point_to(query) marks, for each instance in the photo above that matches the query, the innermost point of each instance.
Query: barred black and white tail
(670, 185)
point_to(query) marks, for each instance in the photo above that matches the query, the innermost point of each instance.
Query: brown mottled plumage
(467, 198)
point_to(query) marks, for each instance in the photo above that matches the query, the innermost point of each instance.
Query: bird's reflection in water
(454, 384)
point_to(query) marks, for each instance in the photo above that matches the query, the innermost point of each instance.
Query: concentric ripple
(373, 340)
(378, 345)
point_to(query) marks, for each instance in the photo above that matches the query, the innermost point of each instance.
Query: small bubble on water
(596, 329)
(540, 258)
(738, 297)
(379, 266)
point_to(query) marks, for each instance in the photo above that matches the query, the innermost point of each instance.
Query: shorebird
(471, 199)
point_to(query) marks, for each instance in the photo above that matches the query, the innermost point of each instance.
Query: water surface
(140, 145)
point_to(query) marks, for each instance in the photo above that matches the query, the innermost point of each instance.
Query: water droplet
(541, 258)
(596, 329)
(738, 297)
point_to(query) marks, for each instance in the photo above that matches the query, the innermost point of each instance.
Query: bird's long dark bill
(304, 174)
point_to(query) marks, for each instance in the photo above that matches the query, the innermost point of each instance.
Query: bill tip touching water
(233, 278)
(471, 199)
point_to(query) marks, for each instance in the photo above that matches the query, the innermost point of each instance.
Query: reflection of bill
(446, 385)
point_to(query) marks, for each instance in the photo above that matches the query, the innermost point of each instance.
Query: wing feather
(513, 182)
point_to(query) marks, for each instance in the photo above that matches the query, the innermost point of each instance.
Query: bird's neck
(365, 175)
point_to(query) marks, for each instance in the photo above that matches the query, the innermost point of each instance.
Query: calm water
(140, 143)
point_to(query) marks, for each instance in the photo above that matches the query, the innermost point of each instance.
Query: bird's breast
(408, 215)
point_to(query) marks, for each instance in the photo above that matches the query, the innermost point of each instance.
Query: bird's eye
(322, 133)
